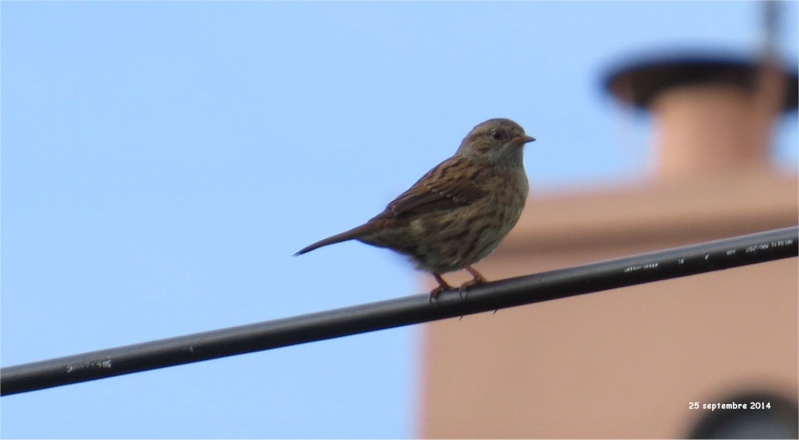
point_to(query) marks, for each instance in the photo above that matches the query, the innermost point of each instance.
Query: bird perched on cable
(458, 212)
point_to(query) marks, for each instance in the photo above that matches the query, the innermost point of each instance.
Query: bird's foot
(478, 279)
(475, 281)
(442, 286)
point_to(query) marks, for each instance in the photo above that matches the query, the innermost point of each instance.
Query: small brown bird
(458, 212)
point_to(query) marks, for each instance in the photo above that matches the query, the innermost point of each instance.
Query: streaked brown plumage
(458, 212)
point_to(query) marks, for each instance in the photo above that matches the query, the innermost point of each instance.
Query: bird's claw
(434, 293)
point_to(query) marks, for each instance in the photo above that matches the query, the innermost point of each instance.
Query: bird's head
(498, 142)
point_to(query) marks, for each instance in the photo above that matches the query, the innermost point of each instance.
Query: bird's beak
(521, 140)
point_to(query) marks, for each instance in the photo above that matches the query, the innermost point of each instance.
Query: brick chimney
(712, 114)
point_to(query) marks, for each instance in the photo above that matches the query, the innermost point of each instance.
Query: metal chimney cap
(638, 83)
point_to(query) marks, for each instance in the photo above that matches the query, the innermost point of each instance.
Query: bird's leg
(478, 279)
(442, 286)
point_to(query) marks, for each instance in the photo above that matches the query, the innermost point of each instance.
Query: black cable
(645, 268)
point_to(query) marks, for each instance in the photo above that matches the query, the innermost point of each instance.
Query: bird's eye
(497, 135)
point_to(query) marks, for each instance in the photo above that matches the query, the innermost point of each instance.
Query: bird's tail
(352, 234)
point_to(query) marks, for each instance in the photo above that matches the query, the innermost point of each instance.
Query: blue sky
(162, 161)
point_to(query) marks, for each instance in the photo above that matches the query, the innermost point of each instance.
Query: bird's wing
(449, 185)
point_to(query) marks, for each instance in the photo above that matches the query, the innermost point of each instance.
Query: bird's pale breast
(447, 240)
